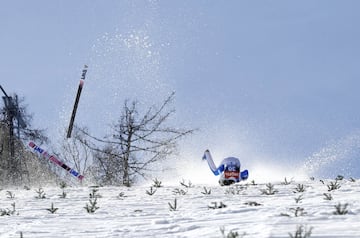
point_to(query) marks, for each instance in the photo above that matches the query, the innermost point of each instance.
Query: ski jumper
(229, 169)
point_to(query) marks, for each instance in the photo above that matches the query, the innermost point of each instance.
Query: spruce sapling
(300, 188)
(333, 186)
(52, 209)
(341, 209)
(186, 185)
(41, 193)
(328, 196)
(301, 232)
(157, 183)
(93, 202)
(173, 207)
(10, 194)
(269, 189)
(206, 191)
(151, 191)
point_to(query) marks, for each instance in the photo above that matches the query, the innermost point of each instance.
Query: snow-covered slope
(132, 212)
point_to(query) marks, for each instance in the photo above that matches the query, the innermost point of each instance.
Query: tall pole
(3, 91)
(9, 105)
(10, 114)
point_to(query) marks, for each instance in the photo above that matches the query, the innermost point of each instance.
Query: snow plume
(337, 158)
(225, 141)
(192, 168)
(265, 171)
(261, 169)
(122, 66)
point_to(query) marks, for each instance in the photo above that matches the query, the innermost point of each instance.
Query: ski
(55, 160)
(73, 114)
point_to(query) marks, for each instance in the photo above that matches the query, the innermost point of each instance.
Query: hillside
(246, 210)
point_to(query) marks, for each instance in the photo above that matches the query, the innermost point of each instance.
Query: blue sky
(276, 80)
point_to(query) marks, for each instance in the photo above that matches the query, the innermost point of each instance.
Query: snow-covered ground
(244, 209)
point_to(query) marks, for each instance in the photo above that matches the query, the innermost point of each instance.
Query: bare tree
(107, 167)
(139, 140)
(28, 132)
(76, 152)
(12, 165)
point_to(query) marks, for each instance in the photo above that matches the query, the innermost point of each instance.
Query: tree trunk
(126, 178)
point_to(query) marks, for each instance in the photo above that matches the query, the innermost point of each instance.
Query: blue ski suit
(229, 169)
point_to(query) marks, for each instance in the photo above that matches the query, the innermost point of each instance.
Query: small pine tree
(52, 209)
(301, 232)
(92, 206)
(151, 191)
(341, 209)
(270, 190)
(173, 207)
(41, 193)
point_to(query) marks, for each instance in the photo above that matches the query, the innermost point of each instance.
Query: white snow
(131, 212)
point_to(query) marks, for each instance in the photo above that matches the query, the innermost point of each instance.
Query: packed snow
(248, 209)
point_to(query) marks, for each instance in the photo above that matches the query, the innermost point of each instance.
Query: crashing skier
(229, 169)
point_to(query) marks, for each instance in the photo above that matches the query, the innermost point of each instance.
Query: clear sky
(262, 80)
